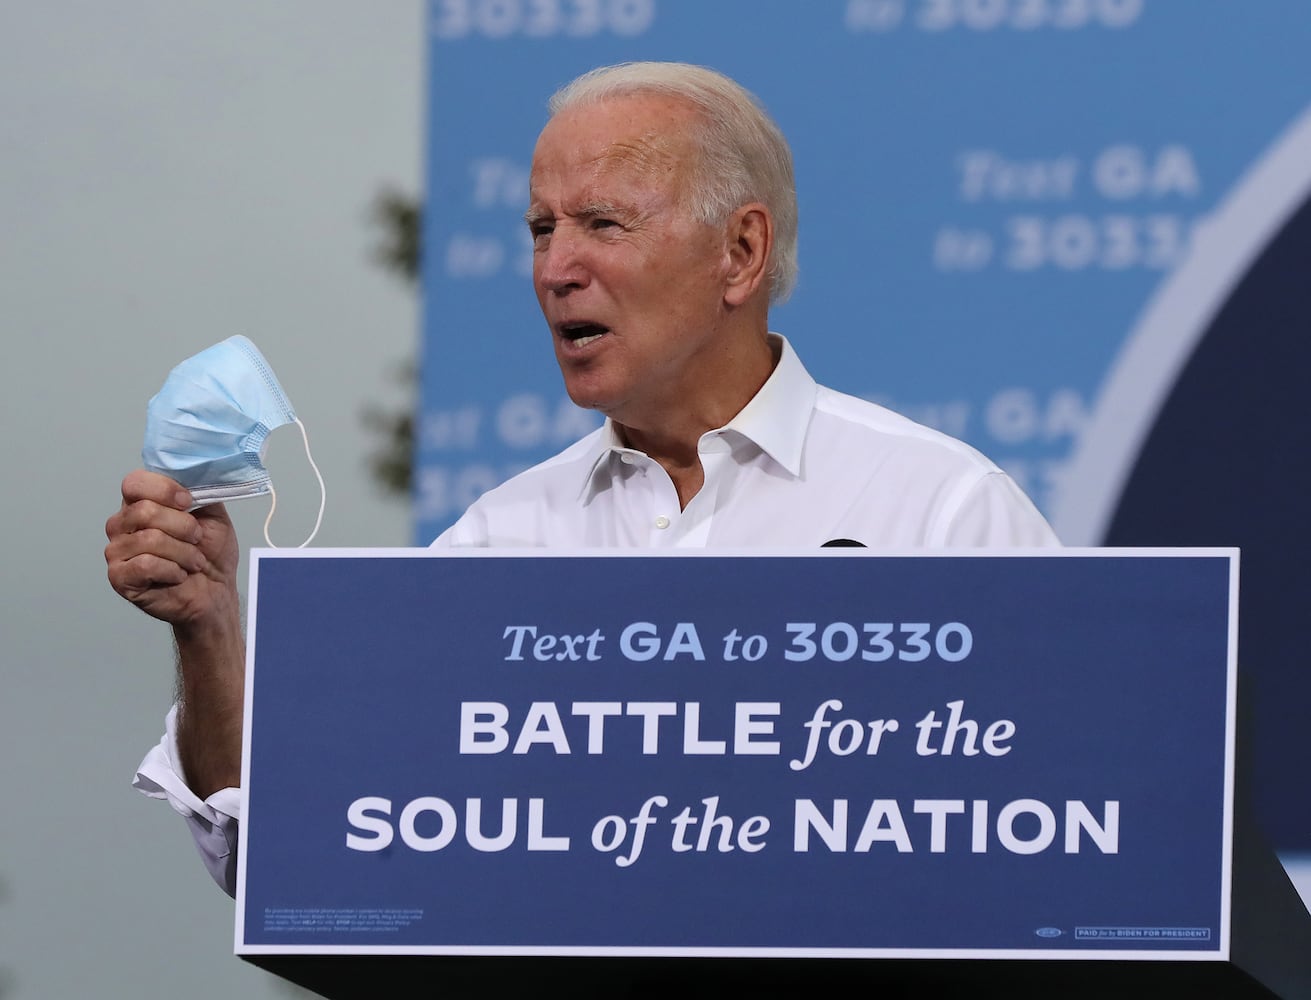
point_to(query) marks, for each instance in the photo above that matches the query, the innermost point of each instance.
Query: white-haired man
(663, 213)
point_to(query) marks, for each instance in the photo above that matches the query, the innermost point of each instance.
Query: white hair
(743, 154)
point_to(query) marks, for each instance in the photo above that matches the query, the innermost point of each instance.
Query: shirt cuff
(213, 822)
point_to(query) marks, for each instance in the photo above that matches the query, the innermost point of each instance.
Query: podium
(704, 774)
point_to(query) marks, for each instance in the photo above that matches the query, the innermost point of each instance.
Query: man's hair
(743, 155)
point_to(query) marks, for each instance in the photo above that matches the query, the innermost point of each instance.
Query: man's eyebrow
(591, 210)
(596, 208)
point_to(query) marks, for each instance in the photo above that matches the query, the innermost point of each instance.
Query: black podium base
(349, 977)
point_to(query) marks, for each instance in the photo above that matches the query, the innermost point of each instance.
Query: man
(663, 216)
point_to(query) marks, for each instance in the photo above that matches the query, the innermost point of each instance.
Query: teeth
(581, 334)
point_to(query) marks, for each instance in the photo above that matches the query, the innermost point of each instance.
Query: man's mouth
(583, 333)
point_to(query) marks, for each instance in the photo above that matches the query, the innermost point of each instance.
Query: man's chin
(589, 397)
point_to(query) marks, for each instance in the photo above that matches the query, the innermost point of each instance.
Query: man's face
(630, 285)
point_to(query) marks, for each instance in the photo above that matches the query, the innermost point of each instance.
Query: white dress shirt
(800, 465)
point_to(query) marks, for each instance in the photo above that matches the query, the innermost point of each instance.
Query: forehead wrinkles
(655, 158)
(653, 152)
(653, 155)
(626, 147)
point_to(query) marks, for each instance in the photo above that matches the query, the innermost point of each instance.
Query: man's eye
(540, 234)
(603, 223)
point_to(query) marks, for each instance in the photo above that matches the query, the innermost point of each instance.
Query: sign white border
(1220, 953)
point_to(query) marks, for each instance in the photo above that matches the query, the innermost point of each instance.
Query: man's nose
(561, 266)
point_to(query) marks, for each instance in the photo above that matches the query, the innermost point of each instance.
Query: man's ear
(750, 238)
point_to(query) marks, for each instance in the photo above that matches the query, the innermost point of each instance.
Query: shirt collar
(775, 420)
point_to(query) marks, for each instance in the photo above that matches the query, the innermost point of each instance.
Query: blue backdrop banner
(817, 755)
(1070, 232)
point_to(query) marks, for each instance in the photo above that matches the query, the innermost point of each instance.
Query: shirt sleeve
(213, 822)
(470, 531)
(996, 513)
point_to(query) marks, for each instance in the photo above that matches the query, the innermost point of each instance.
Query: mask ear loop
(323, 495)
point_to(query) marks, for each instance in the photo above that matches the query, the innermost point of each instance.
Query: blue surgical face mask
(208, 426)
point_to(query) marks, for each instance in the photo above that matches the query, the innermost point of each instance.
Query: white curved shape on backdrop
(1224, 247)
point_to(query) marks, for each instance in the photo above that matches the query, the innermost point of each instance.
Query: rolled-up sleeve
(213, 822)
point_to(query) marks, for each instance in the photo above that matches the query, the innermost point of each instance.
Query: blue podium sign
(1001, 754)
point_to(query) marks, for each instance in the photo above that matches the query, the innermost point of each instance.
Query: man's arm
(181, 568)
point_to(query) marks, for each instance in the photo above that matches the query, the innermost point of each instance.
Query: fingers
(149, 516)
(128, 545)
(143, 573)
(151, 500)
(152, 538)
(177, 565)
(143, 485)
(142, 563)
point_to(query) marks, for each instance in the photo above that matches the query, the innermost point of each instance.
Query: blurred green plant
(398, 219)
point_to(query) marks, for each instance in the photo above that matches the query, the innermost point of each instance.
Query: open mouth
(583, 333)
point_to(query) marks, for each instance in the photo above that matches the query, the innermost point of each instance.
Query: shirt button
(626, 458)
(662, 522)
